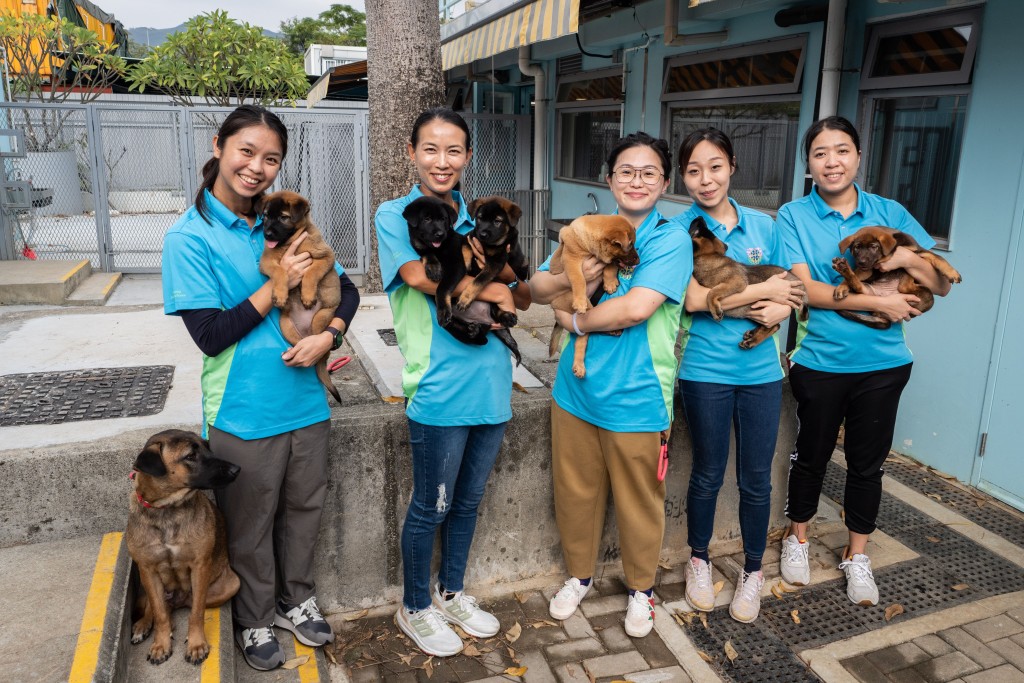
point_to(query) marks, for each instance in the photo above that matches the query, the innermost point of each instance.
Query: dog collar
(145, 503)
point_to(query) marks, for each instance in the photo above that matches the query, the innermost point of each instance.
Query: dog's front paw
(716, 310)
(841, 291)
(159, 653)
(611, 287)
(579, 369)
(463, 302)
(507, 318)
(581, 305)
(279, 298)
(197, 654)
(840, 265)
(308, 303)
(141, 630)
(956, 279)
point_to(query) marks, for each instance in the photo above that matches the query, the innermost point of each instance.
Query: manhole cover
(77, 395)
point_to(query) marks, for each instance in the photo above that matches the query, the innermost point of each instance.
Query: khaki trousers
(585, 462)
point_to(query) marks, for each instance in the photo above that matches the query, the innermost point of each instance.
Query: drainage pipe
(832, 58)
(540, 113)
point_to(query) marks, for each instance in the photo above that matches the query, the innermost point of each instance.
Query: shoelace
(640, 600)
(701, 572)
(749, 587)
(466, 602)
(432, 618)
(861, 571)
(308, 610)
(569, 590)
(258, 636)
(796, 553)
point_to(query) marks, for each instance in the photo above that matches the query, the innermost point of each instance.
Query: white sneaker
(700, 592)
(462, 609)
(794, 564)
(746, 601)
(428, 629)
(564, 603)
(860, 582)
(639, 615)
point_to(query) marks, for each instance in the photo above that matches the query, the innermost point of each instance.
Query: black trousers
(867, 402)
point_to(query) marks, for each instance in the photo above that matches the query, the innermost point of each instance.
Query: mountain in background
(154, 36)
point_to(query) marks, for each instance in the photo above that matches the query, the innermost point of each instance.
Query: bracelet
(513, 284)
(576, 328)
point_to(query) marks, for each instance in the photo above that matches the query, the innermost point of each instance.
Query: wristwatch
(339, 336)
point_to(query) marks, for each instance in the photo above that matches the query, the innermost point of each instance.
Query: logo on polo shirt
(754, 255)
(626, 273)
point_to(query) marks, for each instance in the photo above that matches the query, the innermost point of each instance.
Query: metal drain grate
(389, 336)
(77, 395)
(825, 616)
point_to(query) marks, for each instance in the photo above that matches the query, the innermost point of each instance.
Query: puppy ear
(411, 214)
(697, 227)
(845, 244)
(514, 213)
(452, 214)
(149, 460)
(261, 204)
(301, 208)
(473, 206)
(888, 243)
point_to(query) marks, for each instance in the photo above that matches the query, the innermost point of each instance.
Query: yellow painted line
(114, 279)
(90, 636)
(78, 267)
(211, 667)
(308, 672)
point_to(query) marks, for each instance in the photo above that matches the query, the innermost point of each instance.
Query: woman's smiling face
(707, 175)
(249, 162)
(635, 198)
(833, 161)
(440, 156)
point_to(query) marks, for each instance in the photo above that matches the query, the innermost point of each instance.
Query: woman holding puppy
(263, 407)
(722, 385)
(844, 371)
(608, 428)
(458, 399)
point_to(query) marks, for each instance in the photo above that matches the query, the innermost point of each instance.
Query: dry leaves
(730, 651)
(960, 586)
(521, 597)
(471, 651)
(517, 671)
(780, 588)
(519, 387)
(513, 633)
(358, 615)
(935, 496)
(330, 655)
(795, 615)
(719, 585)
(933, 539)
(664, 565)
(295, 663)
(683, 617)
(542, 623)
(893, 610)
(705, 656)
(428, 667)
(704, 620)
(393, 399)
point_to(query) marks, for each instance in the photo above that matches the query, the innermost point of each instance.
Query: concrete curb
(112, 664)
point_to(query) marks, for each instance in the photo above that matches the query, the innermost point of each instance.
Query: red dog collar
(143, 501)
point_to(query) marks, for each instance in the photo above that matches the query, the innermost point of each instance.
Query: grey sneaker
(860, 582)
(700, 592)
(305, 621)
(746, 601)
(260, 648)
(462, 609)
(794, 564)
(429, 630)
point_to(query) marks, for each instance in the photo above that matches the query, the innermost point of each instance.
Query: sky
(169, 13)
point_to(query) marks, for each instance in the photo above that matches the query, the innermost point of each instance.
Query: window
(589, 123)
(917, 82)
(750, 92)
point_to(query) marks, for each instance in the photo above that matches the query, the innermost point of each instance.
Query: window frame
(582, 106)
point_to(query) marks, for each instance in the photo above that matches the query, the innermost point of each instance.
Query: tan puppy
(176, 537)
(611, 240)
(309, 308)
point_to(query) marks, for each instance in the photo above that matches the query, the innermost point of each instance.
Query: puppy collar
(145, 503)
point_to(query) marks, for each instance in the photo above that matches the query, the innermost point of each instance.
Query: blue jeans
(712, 410)
(450, 466)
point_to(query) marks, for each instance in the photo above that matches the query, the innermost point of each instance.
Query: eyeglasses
(648, 174)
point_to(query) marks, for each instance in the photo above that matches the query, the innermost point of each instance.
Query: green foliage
(337, 25)
(138, 50)
(224, 62)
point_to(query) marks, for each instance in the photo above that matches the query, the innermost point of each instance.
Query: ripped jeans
(450, 466)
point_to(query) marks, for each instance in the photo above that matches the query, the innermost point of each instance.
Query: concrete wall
(62, 492)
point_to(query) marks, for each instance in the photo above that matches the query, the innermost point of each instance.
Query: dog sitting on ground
(609, 239)
(723, 277)
(308, 308)
(176, 537)
(870, 247)
(446, 258)
(496, 220)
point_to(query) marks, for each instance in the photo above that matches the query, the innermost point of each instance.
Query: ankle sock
(649, 592)
(584, 582)
(750, 566)
(700, 554)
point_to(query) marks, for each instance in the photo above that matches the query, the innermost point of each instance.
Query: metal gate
(141, 164)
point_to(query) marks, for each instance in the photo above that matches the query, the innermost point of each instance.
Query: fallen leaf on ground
(685, 617)
(842, 514)
(517, 671)
(719, 585)
(979, 503)
(777, 535)
(358, 615)
(704, 619)
(542, 623)
(935, 496)
(330, 656)
(704, 655)
(795, 614)
(521, 597)
(406, 659)
(428, 667)
(458, 629)
(730, 651)
(893, 610)
(511, 653)
(679, 619)
(785, 588)
(777, 590)
(960, 586)
(519, 387)
(393, 399)
(296, 662)
(664, 565)
(932, 539)
(471, 651)
(513, 633)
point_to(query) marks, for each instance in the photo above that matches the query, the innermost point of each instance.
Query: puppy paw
(840, 265)
(581, 305)
(507, 319)
(841, 291)
(308, 303)
(614, 333)
(158, 654)
(956, 279)
(279, 298)
(140, 631)
(463, 302)
(611, 287)
(197, 654)
(716, 310)
(579, 369)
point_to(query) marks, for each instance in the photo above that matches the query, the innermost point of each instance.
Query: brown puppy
(495, 229)
(874, 245)
(176, 537)
(309, 308)
(723, 276)
(611, 240)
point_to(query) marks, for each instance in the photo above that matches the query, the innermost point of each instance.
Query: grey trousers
(273, 512)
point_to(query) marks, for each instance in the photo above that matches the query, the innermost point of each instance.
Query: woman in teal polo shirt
(722, 385)
(458, 399)
(843, 371)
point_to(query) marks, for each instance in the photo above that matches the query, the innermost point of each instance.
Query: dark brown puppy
(176, 537)
(723, 276)
(612, 241)
(496, 219)
(309, 308)
(870, 247)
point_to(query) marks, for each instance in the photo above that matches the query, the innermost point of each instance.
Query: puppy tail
(325, 379)
(508, 340)
(556, 340)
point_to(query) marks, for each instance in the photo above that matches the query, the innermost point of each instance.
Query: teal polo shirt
(630, 378)
(248, 391)
(447, 383)
(812, 232)
(711, 351)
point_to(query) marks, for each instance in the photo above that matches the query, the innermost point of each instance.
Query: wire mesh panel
(142, 162)
(60, 223)
(500, 157)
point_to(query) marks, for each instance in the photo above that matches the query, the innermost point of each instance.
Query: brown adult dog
(309, 308)
(176, 537)
(723, 276)
(609, 239)
(495, 229)
(872, 246)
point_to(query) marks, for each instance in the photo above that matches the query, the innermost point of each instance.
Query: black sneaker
(306, 622)
(260, 648)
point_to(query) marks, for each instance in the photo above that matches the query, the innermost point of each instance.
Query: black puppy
(445, 255)
(496, 219)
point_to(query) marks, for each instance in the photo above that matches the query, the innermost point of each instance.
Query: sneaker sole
(414, 637)
(866, 603)
(637, 634)
(253, 666)
(286, 624)
(743, 621)
(693, 606)
(559, 615)
(451, 619)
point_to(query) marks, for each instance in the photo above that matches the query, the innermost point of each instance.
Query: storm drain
(77, 395)
(388, 336)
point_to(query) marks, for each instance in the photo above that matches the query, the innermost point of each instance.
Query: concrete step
(94, 290)
(41, 282)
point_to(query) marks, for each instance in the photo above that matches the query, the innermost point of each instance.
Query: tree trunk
(403, 39)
